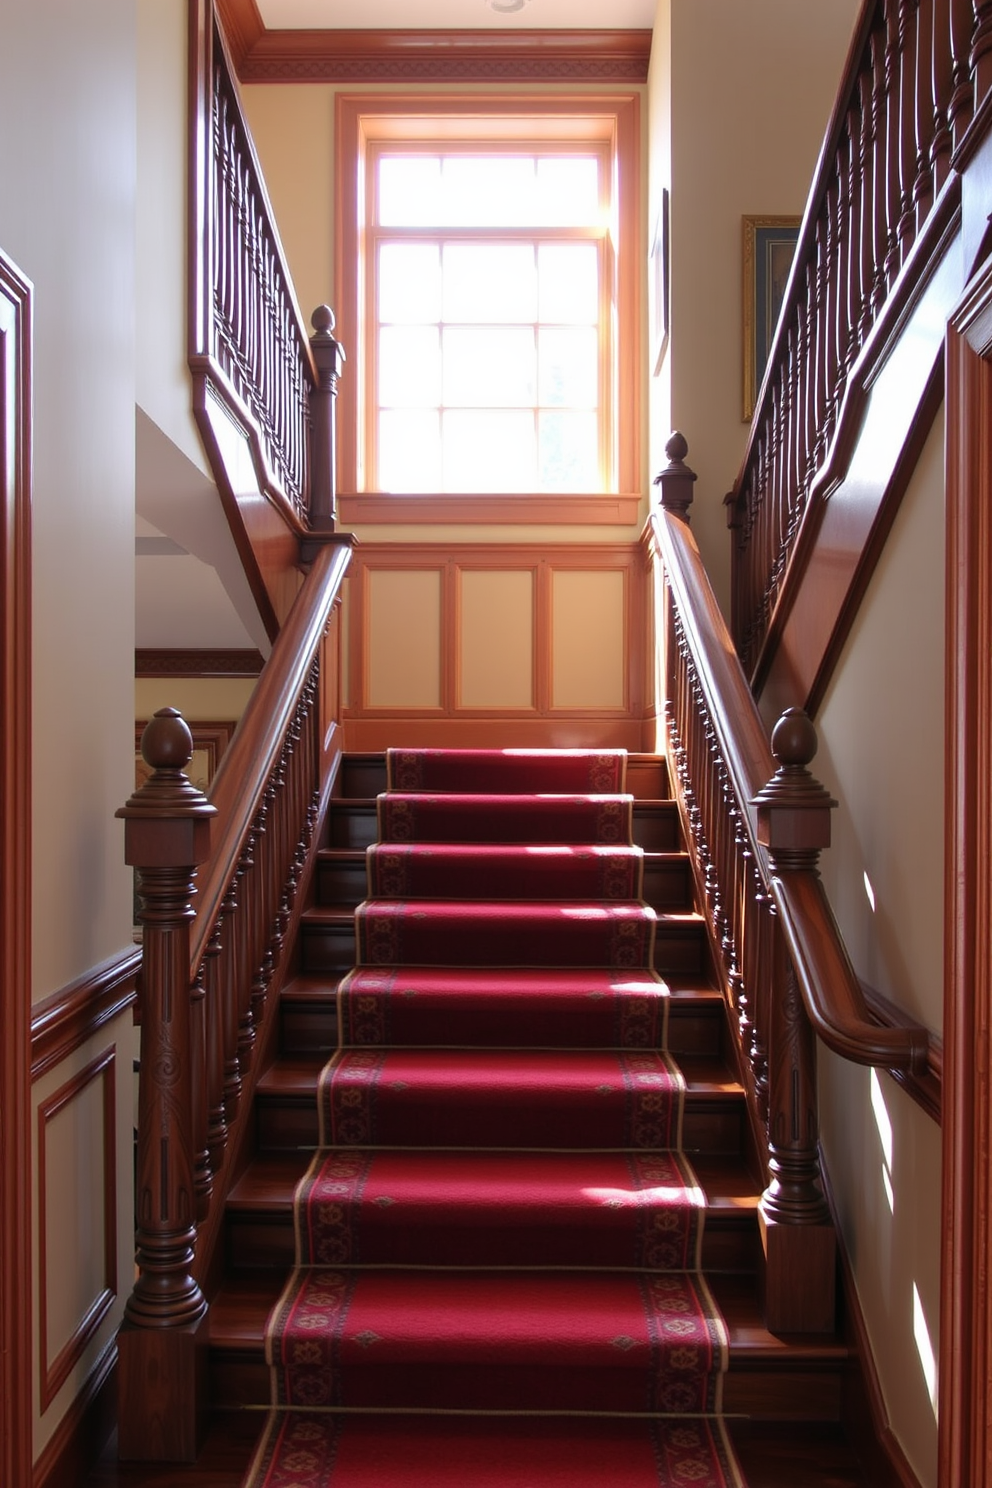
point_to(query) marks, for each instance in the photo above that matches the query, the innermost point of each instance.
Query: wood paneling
(190, 663)
(615, 574)
(54, 1371)
(70, 1017)
(83, 1429)
(15, 873)
(966, 1297)
(423, 56)
(374, 510)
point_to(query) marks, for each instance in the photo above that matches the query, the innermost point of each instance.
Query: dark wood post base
(800, 1276)
(161, 1392)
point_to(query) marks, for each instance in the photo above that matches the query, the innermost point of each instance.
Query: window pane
(489, 451)
(410, 282)
(409, 190)
(569, 458)
(487, 191)
(568, 191)
(569, 367)
(409, 366)
(490, 368)
(569, 282)
(486, 282)
(409, 451)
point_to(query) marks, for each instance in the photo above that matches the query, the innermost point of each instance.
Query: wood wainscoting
(496, 644)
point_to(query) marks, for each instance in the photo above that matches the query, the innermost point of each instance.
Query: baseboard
(83, 1431)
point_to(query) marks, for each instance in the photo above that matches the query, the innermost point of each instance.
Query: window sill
(374, 508)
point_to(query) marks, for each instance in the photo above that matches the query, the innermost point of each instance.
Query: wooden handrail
(243, 774)
(916, 77)
(830, 988)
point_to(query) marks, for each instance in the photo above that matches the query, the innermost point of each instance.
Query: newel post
(328, 356)
(676, 480)
(796, 1231)
(161, 1343)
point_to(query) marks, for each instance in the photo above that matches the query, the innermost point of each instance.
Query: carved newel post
(796, 1230)
(676, 480)
(328, 356)
(166, 834)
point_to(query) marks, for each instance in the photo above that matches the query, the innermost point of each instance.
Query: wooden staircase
(786, 1392)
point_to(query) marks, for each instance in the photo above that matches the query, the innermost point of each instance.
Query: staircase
(782, 1397)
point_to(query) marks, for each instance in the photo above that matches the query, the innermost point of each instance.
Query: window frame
(366, 123)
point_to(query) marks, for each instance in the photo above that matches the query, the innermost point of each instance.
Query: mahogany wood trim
(210, 735)
(54, 1373)
(831, 990)
(431, 56)
(374, 509)
(15, 871)
(367, 734)
(83, 1430)
(162, 662)
(840, 538)
(65, 1021)
(925, 1088)
(242, 774)
(965, 1446)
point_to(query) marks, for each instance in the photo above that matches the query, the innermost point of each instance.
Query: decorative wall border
(149, 662)
(65, 1021)
(15, 871)
(423, 56)
(54, 1373)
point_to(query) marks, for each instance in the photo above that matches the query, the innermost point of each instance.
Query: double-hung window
(488, 280)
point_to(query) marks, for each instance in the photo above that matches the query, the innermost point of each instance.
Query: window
(492, 335)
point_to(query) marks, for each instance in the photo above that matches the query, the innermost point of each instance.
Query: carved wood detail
(15, 871)
(54, 1373)
(475, 56)
(172, 663)
(966, 1302)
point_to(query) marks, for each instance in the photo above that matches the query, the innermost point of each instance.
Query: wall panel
(496, 611)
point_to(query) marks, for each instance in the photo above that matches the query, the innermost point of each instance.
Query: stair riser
(770, 1391)
(267, 1241)
(708, 1126)
(352, 824)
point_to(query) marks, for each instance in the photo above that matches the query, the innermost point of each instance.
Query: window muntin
(489, 326)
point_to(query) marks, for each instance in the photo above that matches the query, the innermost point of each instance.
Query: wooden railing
(209, 983)
(248, 349)
(756, 820)
(917, 74)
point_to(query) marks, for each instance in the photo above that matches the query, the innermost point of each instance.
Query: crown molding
(429, 56)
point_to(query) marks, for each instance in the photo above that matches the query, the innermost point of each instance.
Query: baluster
(981, 52)
(798, 1238)
(262, 960)
(943, 88)
(893, 140)
(879, 172)
(203, 1179)
(908, 17)
(963, 92)
(923, 187)
(240, 931)
(216, 1117)
(866, 155)
(227, 962)
(160, 1346)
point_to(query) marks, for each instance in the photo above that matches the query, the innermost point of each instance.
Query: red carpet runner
(498, 1239)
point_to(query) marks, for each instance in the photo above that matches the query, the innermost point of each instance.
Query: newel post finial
(166, 835)
(794, 808)
(676, 480)
(328, 355)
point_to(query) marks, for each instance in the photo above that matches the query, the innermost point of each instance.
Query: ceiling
(374, 15)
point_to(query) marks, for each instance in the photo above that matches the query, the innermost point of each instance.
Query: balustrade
(917, 72)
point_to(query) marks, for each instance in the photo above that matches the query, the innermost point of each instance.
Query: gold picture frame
(769, 246)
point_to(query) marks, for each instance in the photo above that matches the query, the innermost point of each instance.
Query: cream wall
(67, 201)
(881, 755)
(740, 96)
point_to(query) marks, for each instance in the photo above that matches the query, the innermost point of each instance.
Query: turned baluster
(216, 1115)
(793, 820)
(981, 51)
(166, 835)
(923, 187)
(943, 88)
(908, 18)
(963, 93)
(893, 141)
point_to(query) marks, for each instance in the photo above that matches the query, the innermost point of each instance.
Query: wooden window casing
(605, 125)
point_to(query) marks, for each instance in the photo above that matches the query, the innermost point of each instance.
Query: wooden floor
(805, 1456)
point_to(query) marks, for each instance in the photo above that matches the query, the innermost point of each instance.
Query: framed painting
(769, 248)
(659, 280)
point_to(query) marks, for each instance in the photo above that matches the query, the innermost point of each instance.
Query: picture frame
(769, 246)
(659, 285)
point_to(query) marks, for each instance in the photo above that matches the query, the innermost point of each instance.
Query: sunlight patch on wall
(924, 1348)
(884, 1127)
